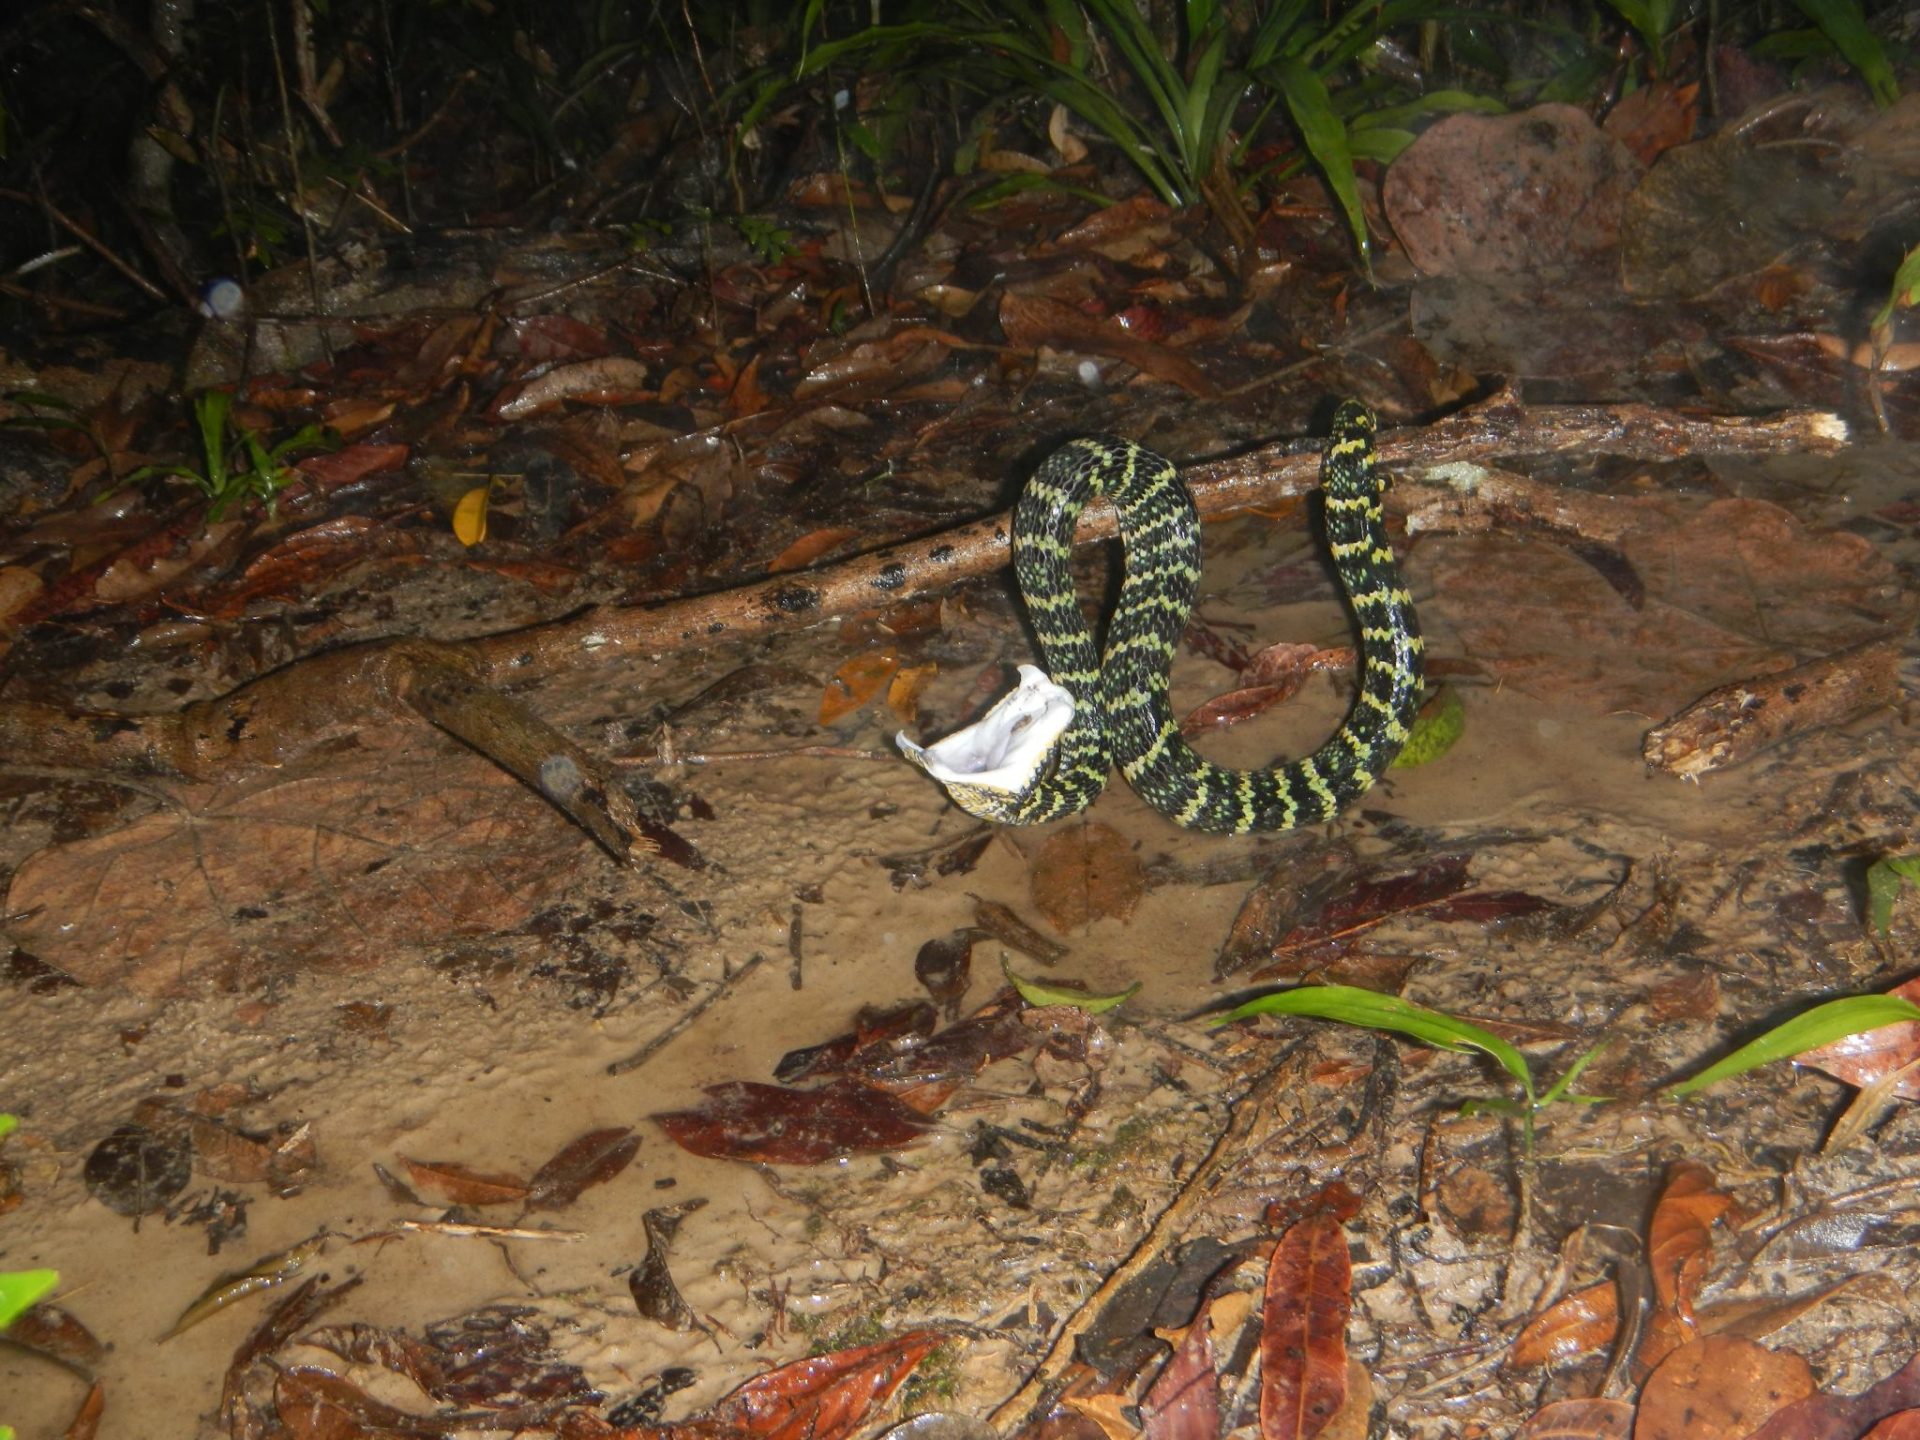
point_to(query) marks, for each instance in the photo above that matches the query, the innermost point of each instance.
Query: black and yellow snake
(1044, 751)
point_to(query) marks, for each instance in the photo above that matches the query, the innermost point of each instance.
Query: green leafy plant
(1839, 32)
(236, 464)
(20, 1290)
(1651, 21)
(1844, 27)
(771, 241)
(1906, 290)
(1884, 879)
(1178, 117)
(1368, 1008)
(1822, 1025)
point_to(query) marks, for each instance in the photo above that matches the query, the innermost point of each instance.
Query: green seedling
(1906, 290)
(1371, 1010)
(1822, 1025)
(235, 463)
(771, 241)
(21, 1290)
(1039, 994)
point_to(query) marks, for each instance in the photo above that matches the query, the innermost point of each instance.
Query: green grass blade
(1884, 878)
(1822, 1025)
(1905, 293)
(1353, 1006)
(20, 1290)
(1270, 40)
(1041, 995)
(1326, 138)
(1842, 22)
(210, 410)
(1140, 48)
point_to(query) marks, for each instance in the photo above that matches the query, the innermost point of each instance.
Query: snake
(1046, 749)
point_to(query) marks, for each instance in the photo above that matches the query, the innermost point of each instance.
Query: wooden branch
(1732, 724)
(1273, 473)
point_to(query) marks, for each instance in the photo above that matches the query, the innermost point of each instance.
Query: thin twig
(1229, 1147)
(700, 1007)
(720, 757)
(466, 1231)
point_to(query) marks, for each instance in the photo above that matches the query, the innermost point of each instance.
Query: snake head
(989, 767)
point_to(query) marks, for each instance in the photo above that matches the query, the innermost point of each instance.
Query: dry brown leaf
(1577, 1325)
(462, 1185)
(1580, 1420)
(1720, 581)
(855, 683)
(904, 690)
(1083, 874)
(226, 1154)
(1720, 1388)
(1303, 1330)
(809, 548)
(1109, 1412)
(583, 1162)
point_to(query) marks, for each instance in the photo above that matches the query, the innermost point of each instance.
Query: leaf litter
(979, 1179)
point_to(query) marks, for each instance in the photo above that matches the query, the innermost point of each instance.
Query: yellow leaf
(855, 683)
(1441, 721)
(903, 692)
(470, 515)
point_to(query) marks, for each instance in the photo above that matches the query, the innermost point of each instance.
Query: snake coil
(1045, 750)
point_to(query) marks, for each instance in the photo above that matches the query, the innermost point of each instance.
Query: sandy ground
(489, 1057)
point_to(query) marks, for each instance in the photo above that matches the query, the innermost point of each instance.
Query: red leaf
(824, 1397)
(1841, 1417)
(1875, 1054)
(1184, 1403)
(592, 1159)
(741, 1120)
(356, 462)
(1303, 1335)
(1225, 711)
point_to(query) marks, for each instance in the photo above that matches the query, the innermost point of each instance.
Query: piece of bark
(1736, 722)
(272, 720)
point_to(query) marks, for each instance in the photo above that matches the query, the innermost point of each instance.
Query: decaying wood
(1736, 722)
(278, 716)
(274, 718)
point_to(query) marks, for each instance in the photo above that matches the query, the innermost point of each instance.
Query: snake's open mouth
(1005, 748)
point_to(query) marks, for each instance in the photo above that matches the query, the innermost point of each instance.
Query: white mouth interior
(1003, 749)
